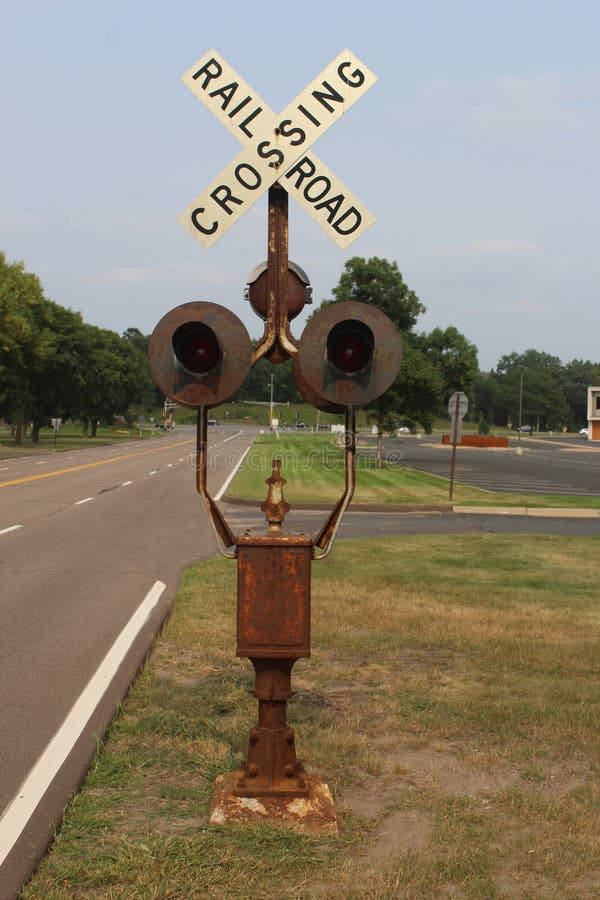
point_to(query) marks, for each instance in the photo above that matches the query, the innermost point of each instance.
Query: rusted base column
(271, 768)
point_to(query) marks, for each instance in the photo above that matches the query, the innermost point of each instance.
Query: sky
(477, 150)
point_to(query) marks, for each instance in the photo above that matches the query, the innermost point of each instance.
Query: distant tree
(455, 359)
(414, 397)
(56, 387)
(543, 403)
(575, 378)
(433, 365)
(115, 374)
(150, 394)
(379, 283)
(25, 340)
(258, 383)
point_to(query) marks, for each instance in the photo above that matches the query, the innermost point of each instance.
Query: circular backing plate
(319, 378)
(189, 389)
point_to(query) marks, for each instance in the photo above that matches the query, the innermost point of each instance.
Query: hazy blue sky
(477, 150)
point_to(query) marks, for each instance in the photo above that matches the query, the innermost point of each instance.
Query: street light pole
(520, 404)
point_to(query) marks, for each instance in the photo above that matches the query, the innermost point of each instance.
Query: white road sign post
(458, 406)
(276, 148)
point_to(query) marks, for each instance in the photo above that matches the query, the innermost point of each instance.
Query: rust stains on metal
(271, 768)
(273, 608)
(311, 814)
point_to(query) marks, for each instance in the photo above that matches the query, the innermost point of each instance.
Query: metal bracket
(223, 533)
(326, 536)
(277, 342)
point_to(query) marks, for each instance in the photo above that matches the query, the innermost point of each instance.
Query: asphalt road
(86, 537)
(544, 465)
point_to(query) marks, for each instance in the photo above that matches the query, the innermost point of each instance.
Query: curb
(442, 508)
(538, 511)
(357, 507)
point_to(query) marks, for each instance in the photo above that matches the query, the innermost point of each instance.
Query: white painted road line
(85, 500)
(22, 807)
(230, 438)
(12, 528)
(125, 483)
(232, 474)
(153, 472)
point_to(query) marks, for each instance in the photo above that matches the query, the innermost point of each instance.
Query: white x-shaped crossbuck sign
(276, 148)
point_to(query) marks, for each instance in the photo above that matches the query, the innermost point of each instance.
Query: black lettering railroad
(316, 189)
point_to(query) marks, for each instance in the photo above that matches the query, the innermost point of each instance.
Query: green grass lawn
(69, 437)
(451, 703)
(313, 466)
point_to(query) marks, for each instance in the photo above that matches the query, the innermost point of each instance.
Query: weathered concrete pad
(314, 814)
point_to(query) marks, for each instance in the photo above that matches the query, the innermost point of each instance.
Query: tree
(150, 395)
(455, 359)
(25, 340)
(414, 397)
(575, 378)
(433, 365)
(530, 383)
(56, 386)
(378, 282)
(115, 375)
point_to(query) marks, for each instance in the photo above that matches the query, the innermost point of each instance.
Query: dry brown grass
(451, 703)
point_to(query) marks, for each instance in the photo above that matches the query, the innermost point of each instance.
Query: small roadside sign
(458, 404)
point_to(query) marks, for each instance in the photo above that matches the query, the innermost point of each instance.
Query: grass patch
(313, 466)
(451, 703)
(69, 437)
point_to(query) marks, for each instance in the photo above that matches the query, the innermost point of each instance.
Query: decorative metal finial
(275, 506)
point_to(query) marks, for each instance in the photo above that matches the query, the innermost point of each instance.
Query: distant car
(402, 430)
(525, 429)
(212, 422)
(584, 431)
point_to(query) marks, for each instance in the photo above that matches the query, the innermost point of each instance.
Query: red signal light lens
(350, 346)
(197, 348)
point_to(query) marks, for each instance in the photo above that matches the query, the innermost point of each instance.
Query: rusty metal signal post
(199, 355)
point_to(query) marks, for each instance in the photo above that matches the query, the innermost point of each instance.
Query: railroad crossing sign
(276, 148)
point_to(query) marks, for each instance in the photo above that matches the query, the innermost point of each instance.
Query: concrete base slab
(314, 814)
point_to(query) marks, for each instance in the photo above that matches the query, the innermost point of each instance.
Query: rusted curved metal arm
(327, 534)
(277, 341)
(223, 533)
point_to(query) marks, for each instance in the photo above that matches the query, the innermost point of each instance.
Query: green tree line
(54, 365)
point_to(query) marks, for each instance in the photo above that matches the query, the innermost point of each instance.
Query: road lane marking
(101, 462)
(11, 528)
(85, 500)
(230, 438)
(125, 483)
(232, 474)
(19, 811)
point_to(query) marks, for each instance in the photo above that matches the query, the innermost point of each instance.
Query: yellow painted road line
(100, 462)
